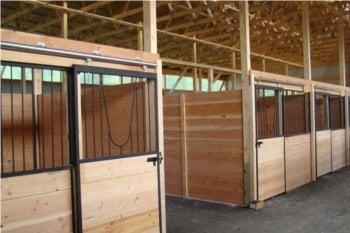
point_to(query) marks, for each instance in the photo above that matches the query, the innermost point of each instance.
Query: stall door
(270, 143)
(119, 159)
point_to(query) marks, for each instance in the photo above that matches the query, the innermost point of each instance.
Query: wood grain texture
(37, 203)
(323, 152)
(271, 171)
(120, 194)
(298, 161)
(338, 149)
(214, 146)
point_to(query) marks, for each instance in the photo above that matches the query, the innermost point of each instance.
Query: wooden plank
(324, 152)
(338, 149)
(298, 161)
(184, 146)
(271, 171)
(19, 186)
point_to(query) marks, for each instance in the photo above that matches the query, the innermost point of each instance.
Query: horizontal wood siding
(214, 146)
(323, 152)
(271, 175)
(338, 149)
(298, 161)
(37, 203)
(120, 196)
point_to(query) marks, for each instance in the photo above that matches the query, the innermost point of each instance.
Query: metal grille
(321, 112)
(33, 119)
(118, 115)
(336, 112)
(268, 114)
(296, 113)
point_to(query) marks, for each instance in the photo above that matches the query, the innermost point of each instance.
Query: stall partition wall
(203, 146)
(283, 147)
(36, 176)
(117, 194)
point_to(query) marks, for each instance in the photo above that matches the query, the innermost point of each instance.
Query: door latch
(156, 159)
(259, 143)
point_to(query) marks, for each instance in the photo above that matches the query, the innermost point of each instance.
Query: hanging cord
(120, 146)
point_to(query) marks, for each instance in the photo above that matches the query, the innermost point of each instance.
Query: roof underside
(275, 28)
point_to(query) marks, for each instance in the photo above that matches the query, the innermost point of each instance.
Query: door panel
(120, 195)
(323, 152)
(271, 168)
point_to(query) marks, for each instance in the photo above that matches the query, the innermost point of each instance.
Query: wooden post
(210, 79)
(64, 22)
(150, 26)
(161, 144)
(248, 98)
(195, 77)
(231, 81)
(263, 63)
(307, 76)
(200, 78)
(140, 38)
(184, 146)
(342, 79)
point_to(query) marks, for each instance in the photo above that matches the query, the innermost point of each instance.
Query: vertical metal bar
(42, 117)
(132, 111)
(101, 124)
(137, 117)
(149, 117)
(93, 113)
(144, 114)
(61, 115)
(12, 130)
(85, 124)
(52, 136)
(34, 121)
(1, 110)
(23, 81)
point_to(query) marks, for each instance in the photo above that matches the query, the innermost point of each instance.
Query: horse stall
(283, 140)
(79, 137)
(203, 136)
(330, 135)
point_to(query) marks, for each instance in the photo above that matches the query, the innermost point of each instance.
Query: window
(34, 122)
(118, 113)
(185, 83)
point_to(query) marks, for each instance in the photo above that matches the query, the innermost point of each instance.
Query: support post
(150, 26)
(195, 76)
(64, 22)
(140, 38)
(342, 79)
(307, 76)
(231, 81)
(248, 99)
(210, 79)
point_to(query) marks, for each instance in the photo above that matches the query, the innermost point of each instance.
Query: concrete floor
(320, 207)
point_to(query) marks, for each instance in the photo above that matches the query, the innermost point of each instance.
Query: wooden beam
(248, 99)
(150, 26)
(64, 22)
(17, 14)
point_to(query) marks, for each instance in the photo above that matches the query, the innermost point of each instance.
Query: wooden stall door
(271, 167)
(120, 195)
